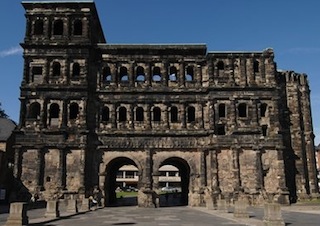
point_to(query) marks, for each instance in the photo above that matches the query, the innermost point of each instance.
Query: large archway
(111, 186)
(177, 195)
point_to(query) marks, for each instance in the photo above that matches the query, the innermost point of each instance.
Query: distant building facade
(229, 121)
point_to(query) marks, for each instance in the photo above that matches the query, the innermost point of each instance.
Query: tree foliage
(2, 113)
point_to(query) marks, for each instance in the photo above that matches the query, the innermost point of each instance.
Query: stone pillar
(272, 215)
(72, 206)
(52, 210)
(146, 196)
(240, 209)
(85, 205)
(222, 205)
(18, 214)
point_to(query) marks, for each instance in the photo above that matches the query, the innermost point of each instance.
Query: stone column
(18, 214)
(146, 196)
(181, 78)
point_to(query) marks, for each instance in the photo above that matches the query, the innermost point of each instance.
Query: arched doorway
(177, 191)
(115, 193)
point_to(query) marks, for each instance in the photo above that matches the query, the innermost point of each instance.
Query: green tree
(2, 113)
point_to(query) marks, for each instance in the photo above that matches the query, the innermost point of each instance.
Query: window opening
(221, 130)
(156, 114)
(263, 110)
(58, 27)
(242, 110)
(124, 74)
(36, 73)
(256, 66)
(34, 111)
(105, 114)
(220, 65)
(54, 114)
(75, 70)
(38, 27)
(140, 76)
(222, 110)
(173, 73)
(106, 73)
(77, 29)
(73, 111)
(156, 75)
(189, 75)
(139, 114)
(264, 130)
(122, 114)
(191, 114)
(56, 69)
(174, 114)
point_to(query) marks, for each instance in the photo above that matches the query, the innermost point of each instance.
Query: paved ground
(295, 215)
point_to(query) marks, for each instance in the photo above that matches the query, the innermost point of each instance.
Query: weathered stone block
(18, 214)
(52, 210)
(85, 205)
(272, 215)
(222, 205)
(240, 209)
(72, 206)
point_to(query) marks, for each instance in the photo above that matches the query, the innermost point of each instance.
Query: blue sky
(291, 28)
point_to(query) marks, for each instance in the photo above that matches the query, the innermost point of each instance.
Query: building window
(220, 65)
(139, 114)
(58, 27)
(222, 110)
(36, 73)
(73, 111)
(38, 27)
(191, 117)
(156, 74)
(189, 74)
(54, 114)
(106, 74)
(264, 130)
(256, 66)
(122, 114)
(75, 70)
(174, 114)
(156, 114)
(105, 114)
(124, 77)
(140, 76)
(263, 110)
(77, 27)
(173, 74)
(34, 111)
(56, 69)
(242, 110)
(221, 129)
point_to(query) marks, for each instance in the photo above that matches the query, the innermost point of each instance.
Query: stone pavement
(295, 215)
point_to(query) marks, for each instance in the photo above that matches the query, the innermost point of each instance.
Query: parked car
(169, 189)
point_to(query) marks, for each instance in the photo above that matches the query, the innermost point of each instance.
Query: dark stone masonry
(231, 122)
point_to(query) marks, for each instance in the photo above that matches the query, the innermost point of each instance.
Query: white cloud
(12, 51)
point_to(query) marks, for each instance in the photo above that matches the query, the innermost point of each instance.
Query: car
(169, 189)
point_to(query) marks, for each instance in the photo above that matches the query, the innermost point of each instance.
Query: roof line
(58, 1)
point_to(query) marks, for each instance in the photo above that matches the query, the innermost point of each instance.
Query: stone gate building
(229, 121)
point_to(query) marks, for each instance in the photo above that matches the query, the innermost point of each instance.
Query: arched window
(222, 110)
(256, 66)
(156, 114)
(140, 76)
(38, 27)
(105, 114)
(139, 114)
(191, 117)
(75, 70)
(122, 114)
(73, 111)
(173, 73)
(34, 111)
(174, 114)
(56, 69)
(77, 27)
(264, 130)
(124, 74)
(156, 74)
(220, 65)
(106, 74)
(189, 74)
(263, 110)
(242, 110)
(54, 111)
(58, 27)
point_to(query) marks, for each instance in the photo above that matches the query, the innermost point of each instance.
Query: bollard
(18, 214)
(240, 209)
(272, 215)
(72, 206)
(52, 210)
(222, 205)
